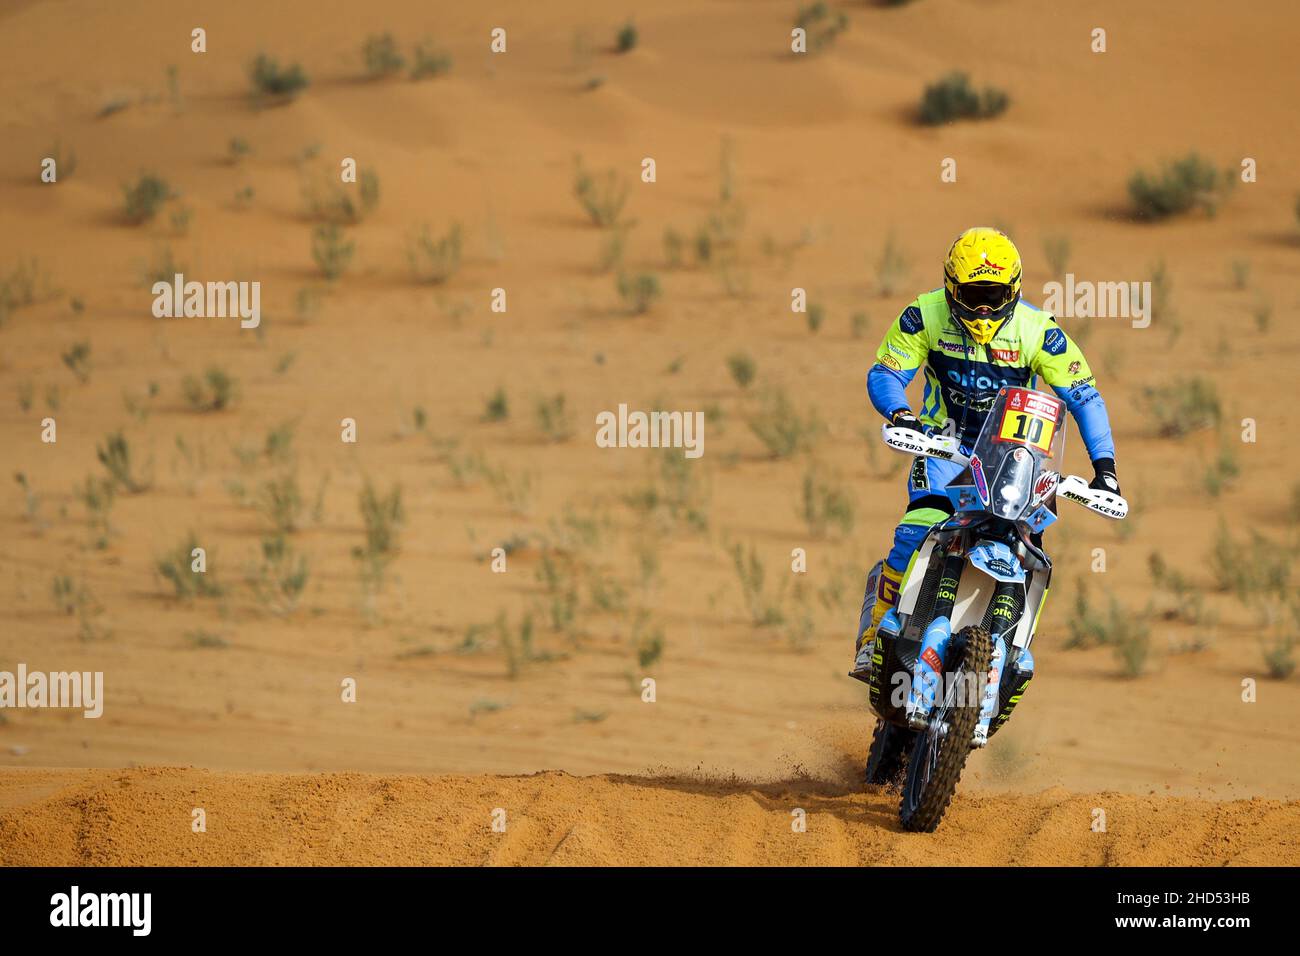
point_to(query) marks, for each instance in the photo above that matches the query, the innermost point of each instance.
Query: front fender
(995, 559)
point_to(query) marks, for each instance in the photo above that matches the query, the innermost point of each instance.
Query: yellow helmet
(981, 277)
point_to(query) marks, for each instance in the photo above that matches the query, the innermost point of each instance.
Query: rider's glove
(1104, 478)
(903, 418)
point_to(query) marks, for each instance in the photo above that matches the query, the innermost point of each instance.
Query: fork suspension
(928, 672)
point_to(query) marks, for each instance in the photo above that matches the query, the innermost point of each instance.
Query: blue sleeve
(1089, 410)
(888, 388)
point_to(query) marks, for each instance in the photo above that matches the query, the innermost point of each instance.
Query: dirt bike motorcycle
(951, 661)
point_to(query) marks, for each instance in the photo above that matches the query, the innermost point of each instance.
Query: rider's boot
(880, 598)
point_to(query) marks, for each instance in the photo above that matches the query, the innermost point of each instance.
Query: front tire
(939, 753)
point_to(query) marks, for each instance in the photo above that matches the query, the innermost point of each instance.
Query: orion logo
(983, 382)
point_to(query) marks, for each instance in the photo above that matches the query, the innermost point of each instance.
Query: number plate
(1029, 419)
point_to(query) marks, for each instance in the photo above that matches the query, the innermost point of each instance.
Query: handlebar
(946, 447)
(911, 442)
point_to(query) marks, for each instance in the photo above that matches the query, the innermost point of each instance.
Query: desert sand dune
(143, 817)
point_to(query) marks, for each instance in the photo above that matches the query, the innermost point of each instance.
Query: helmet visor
(984, 297)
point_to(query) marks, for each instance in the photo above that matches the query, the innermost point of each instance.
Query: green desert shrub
(1279, 654)
(77, 359)
(429, 61)
(115, 455)
(214, 391)
(434, 260)
(331, 250)
(326, 198)
(742, 367)
(781, 427)
(98, 495)
(601, 197)
(953, 98)
(280, 502)
(821, 24)
(1180, 185)
(1253, 568)
(553, 417)
(273, 82)
(383, 516)
(627, 38)
(281, 579)
(638, 291)
(381, 56)
(763, 609)
(825, 503)
(1182, 406)
(816, 316)
(177, 568)
(674, 493)
(496, 407)
(19, 287)
(144, 198)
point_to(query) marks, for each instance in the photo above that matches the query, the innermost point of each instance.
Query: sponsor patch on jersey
(1054, 342)
(956, 347)
(903, 352)
(910, 321)
(890, 362)
(1074, 368)
(1005, 355)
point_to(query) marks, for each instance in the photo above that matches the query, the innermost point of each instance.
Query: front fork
(928, 672)
(1008, 605)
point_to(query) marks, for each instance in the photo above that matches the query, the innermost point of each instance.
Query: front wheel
(939, 754)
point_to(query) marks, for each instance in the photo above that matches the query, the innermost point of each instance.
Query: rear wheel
(889, 746)
(939, 753)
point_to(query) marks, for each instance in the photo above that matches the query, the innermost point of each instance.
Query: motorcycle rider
(973, 336)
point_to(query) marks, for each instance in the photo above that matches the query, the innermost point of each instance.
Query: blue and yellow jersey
(962, 378)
